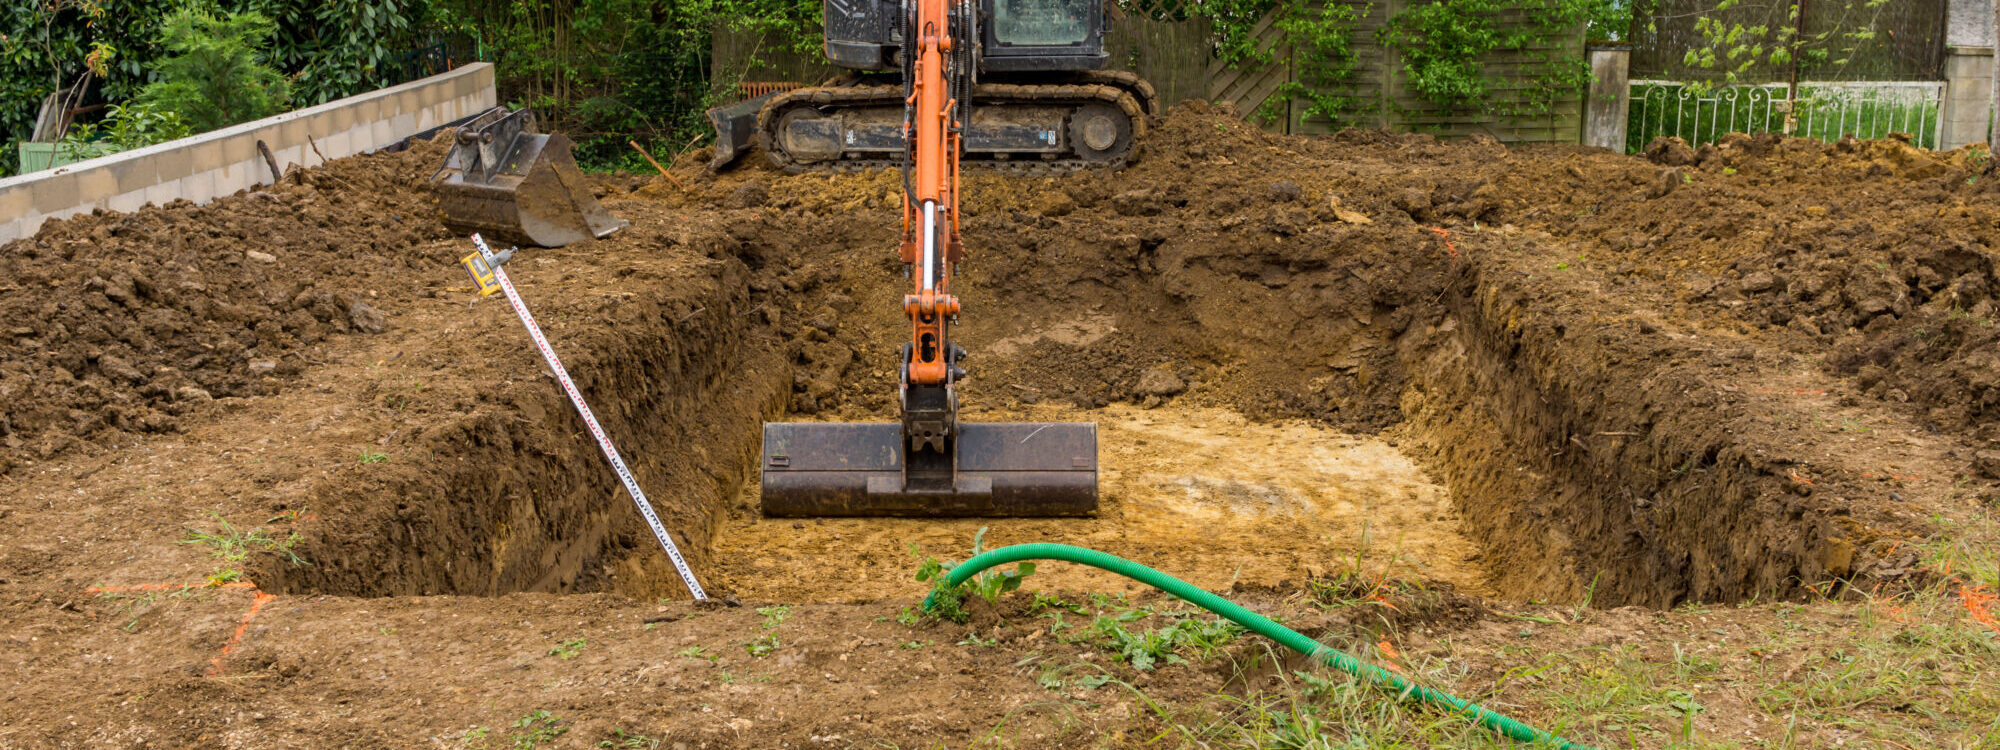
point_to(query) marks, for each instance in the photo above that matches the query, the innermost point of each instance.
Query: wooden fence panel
(1248, 85)
(1172, 53)
(746, 56)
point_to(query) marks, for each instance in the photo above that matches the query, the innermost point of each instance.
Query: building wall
(204, 167)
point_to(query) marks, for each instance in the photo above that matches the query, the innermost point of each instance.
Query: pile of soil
(123, 324)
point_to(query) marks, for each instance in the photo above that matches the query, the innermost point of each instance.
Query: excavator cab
(1039, 94)
(507, 182)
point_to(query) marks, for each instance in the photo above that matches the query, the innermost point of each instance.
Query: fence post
(1609, 105)
(1968, 98)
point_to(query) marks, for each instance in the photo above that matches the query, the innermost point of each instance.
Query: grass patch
(233, 545)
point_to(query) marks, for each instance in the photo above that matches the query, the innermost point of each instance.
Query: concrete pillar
(1609, 104)
(1968, 96)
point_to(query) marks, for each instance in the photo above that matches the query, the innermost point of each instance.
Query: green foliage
(536, 729)
(1184, 634)
(629, 741)
(775, 615)
(1323, 55)
(336, 48)
(1610, 20)
(1444, 43)
(128, 126)
(762, 645)
(1231, 23)
(1734, 50)
(331, 48)
(1322, 49)
(569, 649)
(948, 602)
(216, 76)
(230, 544)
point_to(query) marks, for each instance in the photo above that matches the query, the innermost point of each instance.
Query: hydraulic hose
(1257, 623)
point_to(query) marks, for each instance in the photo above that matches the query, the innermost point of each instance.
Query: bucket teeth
(1004, 470)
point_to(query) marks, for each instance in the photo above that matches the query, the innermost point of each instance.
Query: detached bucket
(1018, 470)
(513, 185)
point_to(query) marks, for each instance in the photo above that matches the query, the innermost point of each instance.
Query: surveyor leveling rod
(486, 272)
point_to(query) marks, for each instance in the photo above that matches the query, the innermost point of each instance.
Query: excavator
(506, 181)
(930, 463)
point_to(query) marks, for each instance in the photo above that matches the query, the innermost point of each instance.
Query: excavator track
(1105, 92)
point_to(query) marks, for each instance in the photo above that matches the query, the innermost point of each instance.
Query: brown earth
(1765, 370)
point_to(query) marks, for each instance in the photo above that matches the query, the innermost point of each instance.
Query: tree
(216, 76)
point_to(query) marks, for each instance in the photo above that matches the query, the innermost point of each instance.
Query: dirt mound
(126, 323)
(1876, 253)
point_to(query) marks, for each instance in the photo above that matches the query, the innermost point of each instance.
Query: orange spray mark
(256, 604)
(1445, 235)
(215, 665)
(1980, 603)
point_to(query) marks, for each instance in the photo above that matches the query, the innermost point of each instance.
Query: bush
(127, 127)
(215, 76)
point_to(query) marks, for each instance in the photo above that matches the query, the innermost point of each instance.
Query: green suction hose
(1256, 623)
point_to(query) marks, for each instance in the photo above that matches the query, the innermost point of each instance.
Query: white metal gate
(1824, 110)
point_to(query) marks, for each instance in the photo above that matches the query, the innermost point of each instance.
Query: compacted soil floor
(1695, 448)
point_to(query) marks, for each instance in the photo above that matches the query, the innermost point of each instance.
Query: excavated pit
(1254, 433)
(1287, 389)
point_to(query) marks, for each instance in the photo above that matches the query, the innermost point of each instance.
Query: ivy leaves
(1444, 43)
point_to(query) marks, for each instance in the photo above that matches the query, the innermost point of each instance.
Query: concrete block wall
(204, 167)
(1970, 23)
(1968, 96)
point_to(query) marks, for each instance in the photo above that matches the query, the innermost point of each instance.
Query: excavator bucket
(735, 129)
(509, 183)
(1019, 470)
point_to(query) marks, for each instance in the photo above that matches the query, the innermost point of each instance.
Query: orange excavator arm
(930, 205)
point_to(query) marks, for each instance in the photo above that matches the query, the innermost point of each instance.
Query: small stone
(261, 257)
(192, 393)
(1137, 203)
(1987, 464)
(1874, 306)
(263, 365)
(1347, 215)
(1161, 383)
(1761, 281)
(1286, 191)
(119, 369)
(365, 318)
(751, 195)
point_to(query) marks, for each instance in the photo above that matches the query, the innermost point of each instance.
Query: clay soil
(1683, 449)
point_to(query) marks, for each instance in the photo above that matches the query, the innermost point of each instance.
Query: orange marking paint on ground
(1980, 604)
(215, 665)
(1389, 656)
(1445, 235)
(256, 604)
